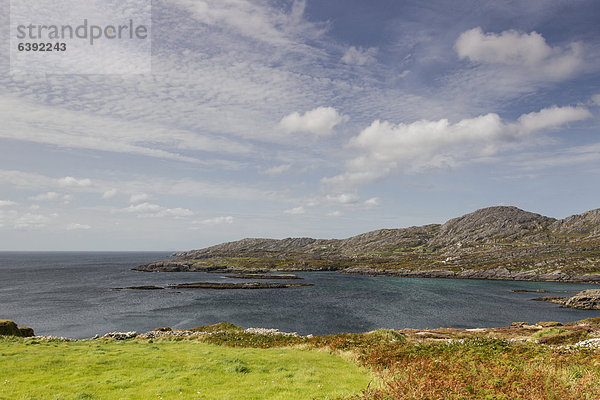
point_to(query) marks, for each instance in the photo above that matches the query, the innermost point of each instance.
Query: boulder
(10, 328)
(26, 331)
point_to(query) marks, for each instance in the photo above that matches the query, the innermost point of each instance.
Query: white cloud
(343, 198)
(88, 130)
(138, 198)
(49, 196)
(52, 196)
(590, 153)
(149, 210)
(216, 221)
(596, 99)
(548, 118)
(372, 202)
(527, 50)
(386, 147)
(296, 211)
(277, 170)
(155, 186)
(255, 20)
(335, 214)
(7, 203)
(69, 181)
(27, 220)
(76, 227)
(109, 194)
(360, 56)
(319, 121)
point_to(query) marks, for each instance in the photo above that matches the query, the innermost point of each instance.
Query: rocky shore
(584, 300)
(495, 273)
(573, 335)
(499, 273)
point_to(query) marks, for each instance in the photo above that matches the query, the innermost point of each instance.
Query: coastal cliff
(490, 243)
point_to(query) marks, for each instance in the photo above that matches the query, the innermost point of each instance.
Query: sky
(316, 118)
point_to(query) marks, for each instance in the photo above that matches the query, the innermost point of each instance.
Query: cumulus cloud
(319, 121)
(596, 99)
(277, 170)
(372, 202)
(335, 214)
(385, 147)
(7, 203)
(49, 196)
(216, 220)
(149, 210)
(109, 194)
(69, 181)
(138, 198)
(25, 220)
(296, 211)
(78, 227)
(528, 50)
(342, 198)
(360, 56)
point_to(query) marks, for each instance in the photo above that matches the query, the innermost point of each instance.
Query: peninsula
(491, 243)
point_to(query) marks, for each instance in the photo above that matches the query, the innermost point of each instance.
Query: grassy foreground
(169, 369)
(522, 361)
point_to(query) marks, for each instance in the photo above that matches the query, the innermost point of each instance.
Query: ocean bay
(74, 294)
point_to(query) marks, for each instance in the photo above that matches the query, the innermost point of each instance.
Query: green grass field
(166, 369)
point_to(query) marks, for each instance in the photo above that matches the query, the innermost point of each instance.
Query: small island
(244, 285)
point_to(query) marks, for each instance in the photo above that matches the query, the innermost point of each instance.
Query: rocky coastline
(584, 300)
(493, 274)
(573, 335)
(499, 273)
(500, 243)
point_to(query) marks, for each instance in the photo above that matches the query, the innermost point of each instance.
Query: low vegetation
(521, 361)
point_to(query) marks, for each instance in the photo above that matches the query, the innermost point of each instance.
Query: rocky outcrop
(585, 225)
(10, 328)
(584, 300)
(491, 224)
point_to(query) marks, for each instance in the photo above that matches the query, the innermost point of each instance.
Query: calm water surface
(72, 294)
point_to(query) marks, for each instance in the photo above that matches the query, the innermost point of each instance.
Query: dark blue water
(71, 294)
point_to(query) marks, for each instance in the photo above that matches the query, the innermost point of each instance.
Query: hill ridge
(504, 239)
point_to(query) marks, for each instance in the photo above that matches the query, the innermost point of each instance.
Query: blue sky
(309, 118)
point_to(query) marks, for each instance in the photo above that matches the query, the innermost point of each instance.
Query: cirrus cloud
(360, 56)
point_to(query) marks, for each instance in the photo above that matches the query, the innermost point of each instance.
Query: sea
(80, 295)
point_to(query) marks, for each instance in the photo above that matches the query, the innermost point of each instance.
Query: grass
(168, 369)
(447, 363)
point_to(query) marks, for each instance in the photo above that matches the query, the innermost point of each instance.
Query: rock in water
(585, 300)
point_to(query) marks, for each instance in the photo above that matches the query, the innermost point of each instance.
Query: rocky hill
(495, 242)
